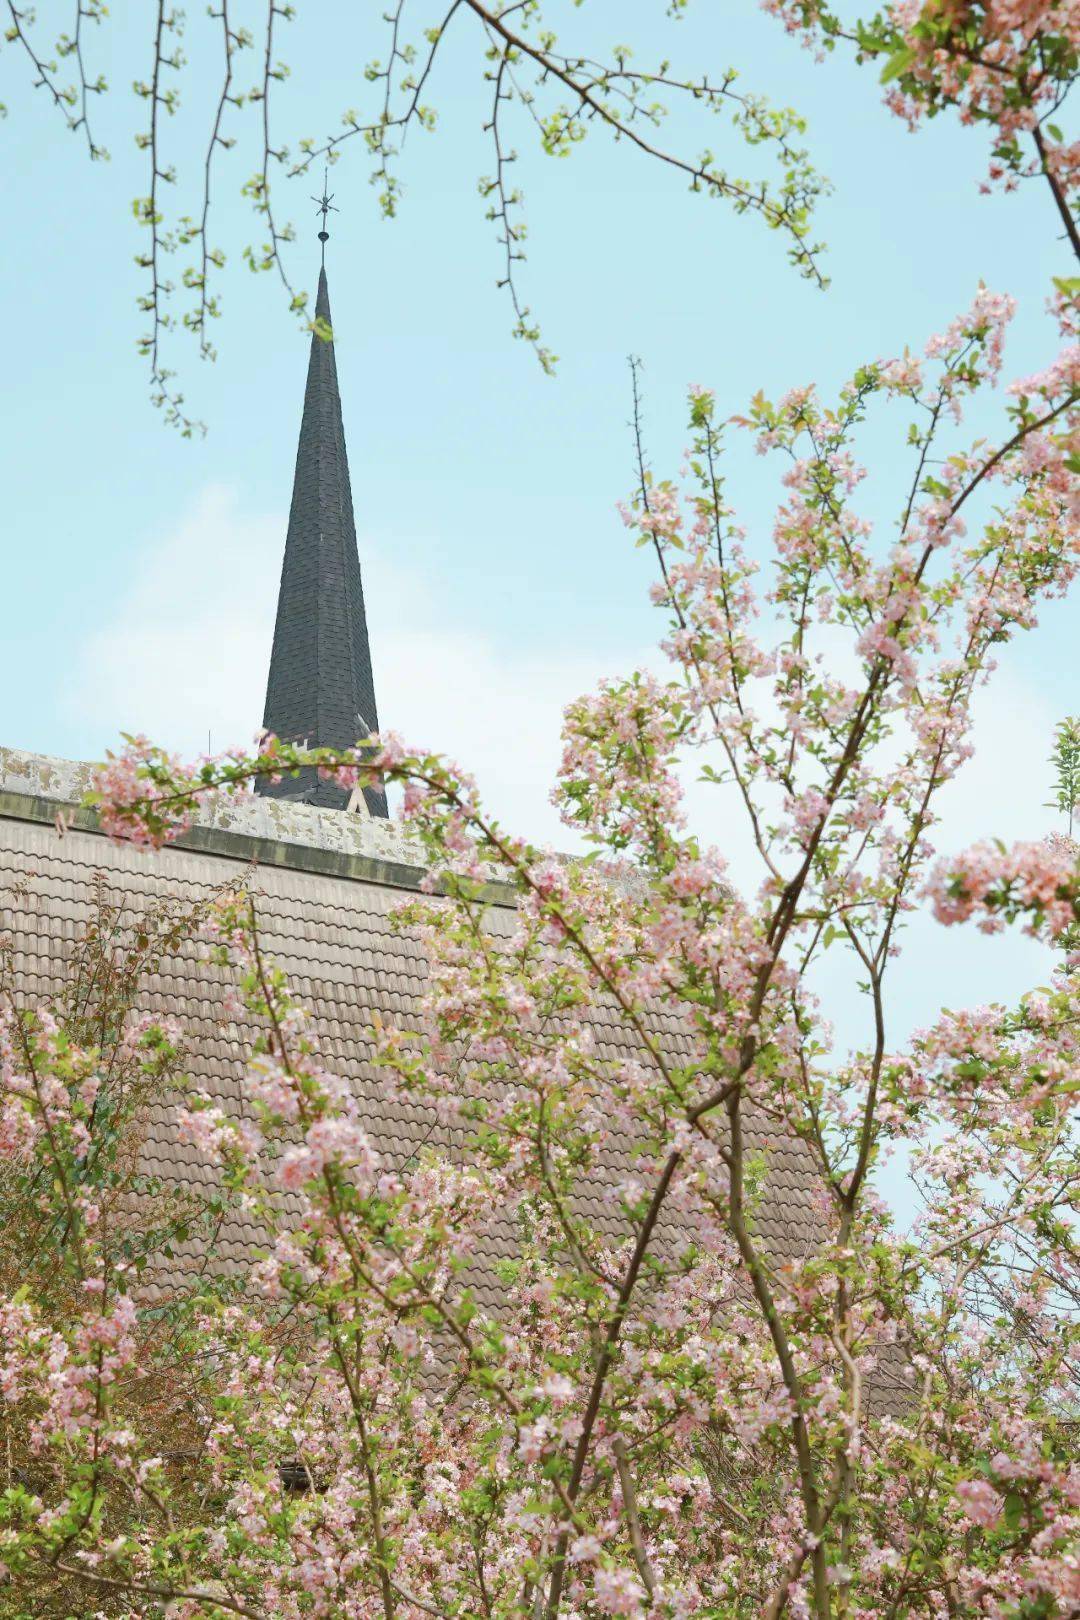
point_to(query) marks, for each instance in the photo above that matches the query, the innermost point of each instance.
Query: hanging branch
(609, 95)
(72, 100)
(149, 213)
(91, 11)
(524, 67)
(511, 235)
(258, 187)
(232, 41)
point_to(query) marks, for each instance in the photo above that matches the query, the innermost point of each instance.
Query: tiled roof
(331, 932)
(320, 688)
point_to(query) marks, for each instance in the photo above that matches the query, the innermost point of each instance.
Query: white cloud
(185, 651)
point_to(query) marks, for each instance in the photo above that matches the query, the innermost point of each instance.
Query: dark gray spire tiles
(320, 689)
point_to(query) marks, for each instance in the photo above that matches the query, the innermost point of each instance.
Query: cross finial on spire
(326, 208)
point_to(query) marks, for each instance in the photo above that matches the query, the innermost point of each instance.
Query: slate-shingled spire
(320, 688)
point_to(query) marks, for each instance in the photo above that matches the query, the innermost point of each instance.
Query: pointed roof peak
(320, 688)
(322, 300)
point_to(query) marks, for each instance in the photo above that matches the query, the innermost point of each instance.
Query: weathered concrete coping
(250, 829)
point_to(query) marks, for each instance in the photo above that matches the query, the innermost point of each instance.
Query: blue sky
(141, 571)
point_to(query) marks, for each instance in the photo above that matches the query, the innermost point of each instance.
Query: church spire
(320, 688)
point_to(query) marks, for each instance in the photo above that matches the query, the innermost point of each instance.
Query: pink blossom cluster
(133, 806)
(1033, 880)
(1004, 63)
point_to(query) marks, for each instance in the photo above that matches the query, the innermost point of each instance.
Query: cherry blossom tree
(671, 1413)
(683, 1421)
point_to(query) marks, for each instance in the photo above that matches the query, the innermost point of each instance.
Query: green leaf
(898, 63)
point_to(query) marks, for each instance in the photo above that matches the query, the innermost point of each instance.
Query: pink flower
(533, 1440)
(339, 1141)
(981, 1503)
(808, 811)
(618, 1592)
(584, 1550)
